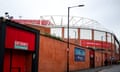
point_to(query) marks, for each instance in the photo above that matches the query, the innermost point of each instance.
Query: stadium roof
(74, 21)
(62, 21)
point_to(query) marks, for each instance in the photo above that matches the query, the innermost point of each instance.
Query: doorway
(92, 58)
(17, 61)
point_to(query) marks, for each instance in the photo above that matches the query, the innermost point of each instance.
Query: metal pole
(68, 48)
(68, 42)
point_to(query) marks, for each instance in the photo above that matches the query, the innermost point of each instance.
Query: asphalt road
(111, 68)
(114, 68)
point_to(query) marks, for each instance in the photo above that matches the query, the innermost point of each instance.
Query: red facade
(17, 35)
(18, 43)
(15, 62)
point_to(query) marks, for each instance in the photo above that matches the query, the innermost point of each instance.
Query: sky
(106, 12)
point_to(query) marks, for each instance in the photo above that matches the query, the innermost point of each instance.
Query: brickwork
(98, 59)
(52, 56)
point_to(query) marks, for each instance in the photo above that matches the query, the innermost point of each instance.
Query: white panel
(108, 37)
(99, 36)
(56, 32)
(65, 32)
(113, 39)
(73, 33)
(85, 34)
(117, 47)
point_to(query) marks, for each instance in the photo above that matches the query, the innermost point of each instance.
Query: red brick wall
(52, 56)
(81, 64)
(98, 59)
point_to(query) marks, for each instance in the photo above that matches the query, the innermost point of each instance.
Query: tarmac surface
(110, 68)
(115, 68)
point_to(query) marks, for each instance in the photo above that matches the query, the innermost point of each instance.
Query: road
(111, 68)
(114, 68)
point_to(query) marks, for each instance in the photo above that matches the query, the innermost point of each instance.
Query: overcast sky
(106, 12)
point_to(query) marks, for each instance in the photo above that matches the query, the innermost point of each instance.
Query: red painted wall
(20, 60)
(7, 61)
(15, 34)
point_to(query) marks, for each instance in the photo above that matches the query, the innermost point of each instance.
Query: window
(56, 32)
(85, 34)
(73, 33)
(98, 35)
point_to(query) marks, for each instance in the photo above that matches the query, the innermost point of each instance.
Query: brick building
(89, 47)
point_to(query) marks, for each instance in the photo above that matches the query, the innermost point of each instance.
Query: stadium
(90, 44)
(85, 32)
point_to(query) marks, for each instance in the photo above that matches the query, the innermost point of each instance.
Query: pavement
(110, 68)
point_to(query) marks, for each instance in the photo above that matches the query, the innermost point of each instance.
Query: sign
(98, 44)
(79, 54)
(21, 45)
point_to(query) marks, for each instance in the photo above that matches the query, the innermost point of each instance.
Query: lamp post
(68, 35)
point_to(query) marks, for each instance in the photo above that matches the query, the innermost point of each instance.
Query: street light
(68, 35)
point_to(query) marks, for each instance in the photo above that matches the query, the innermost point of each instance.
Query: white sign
(21, 45)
